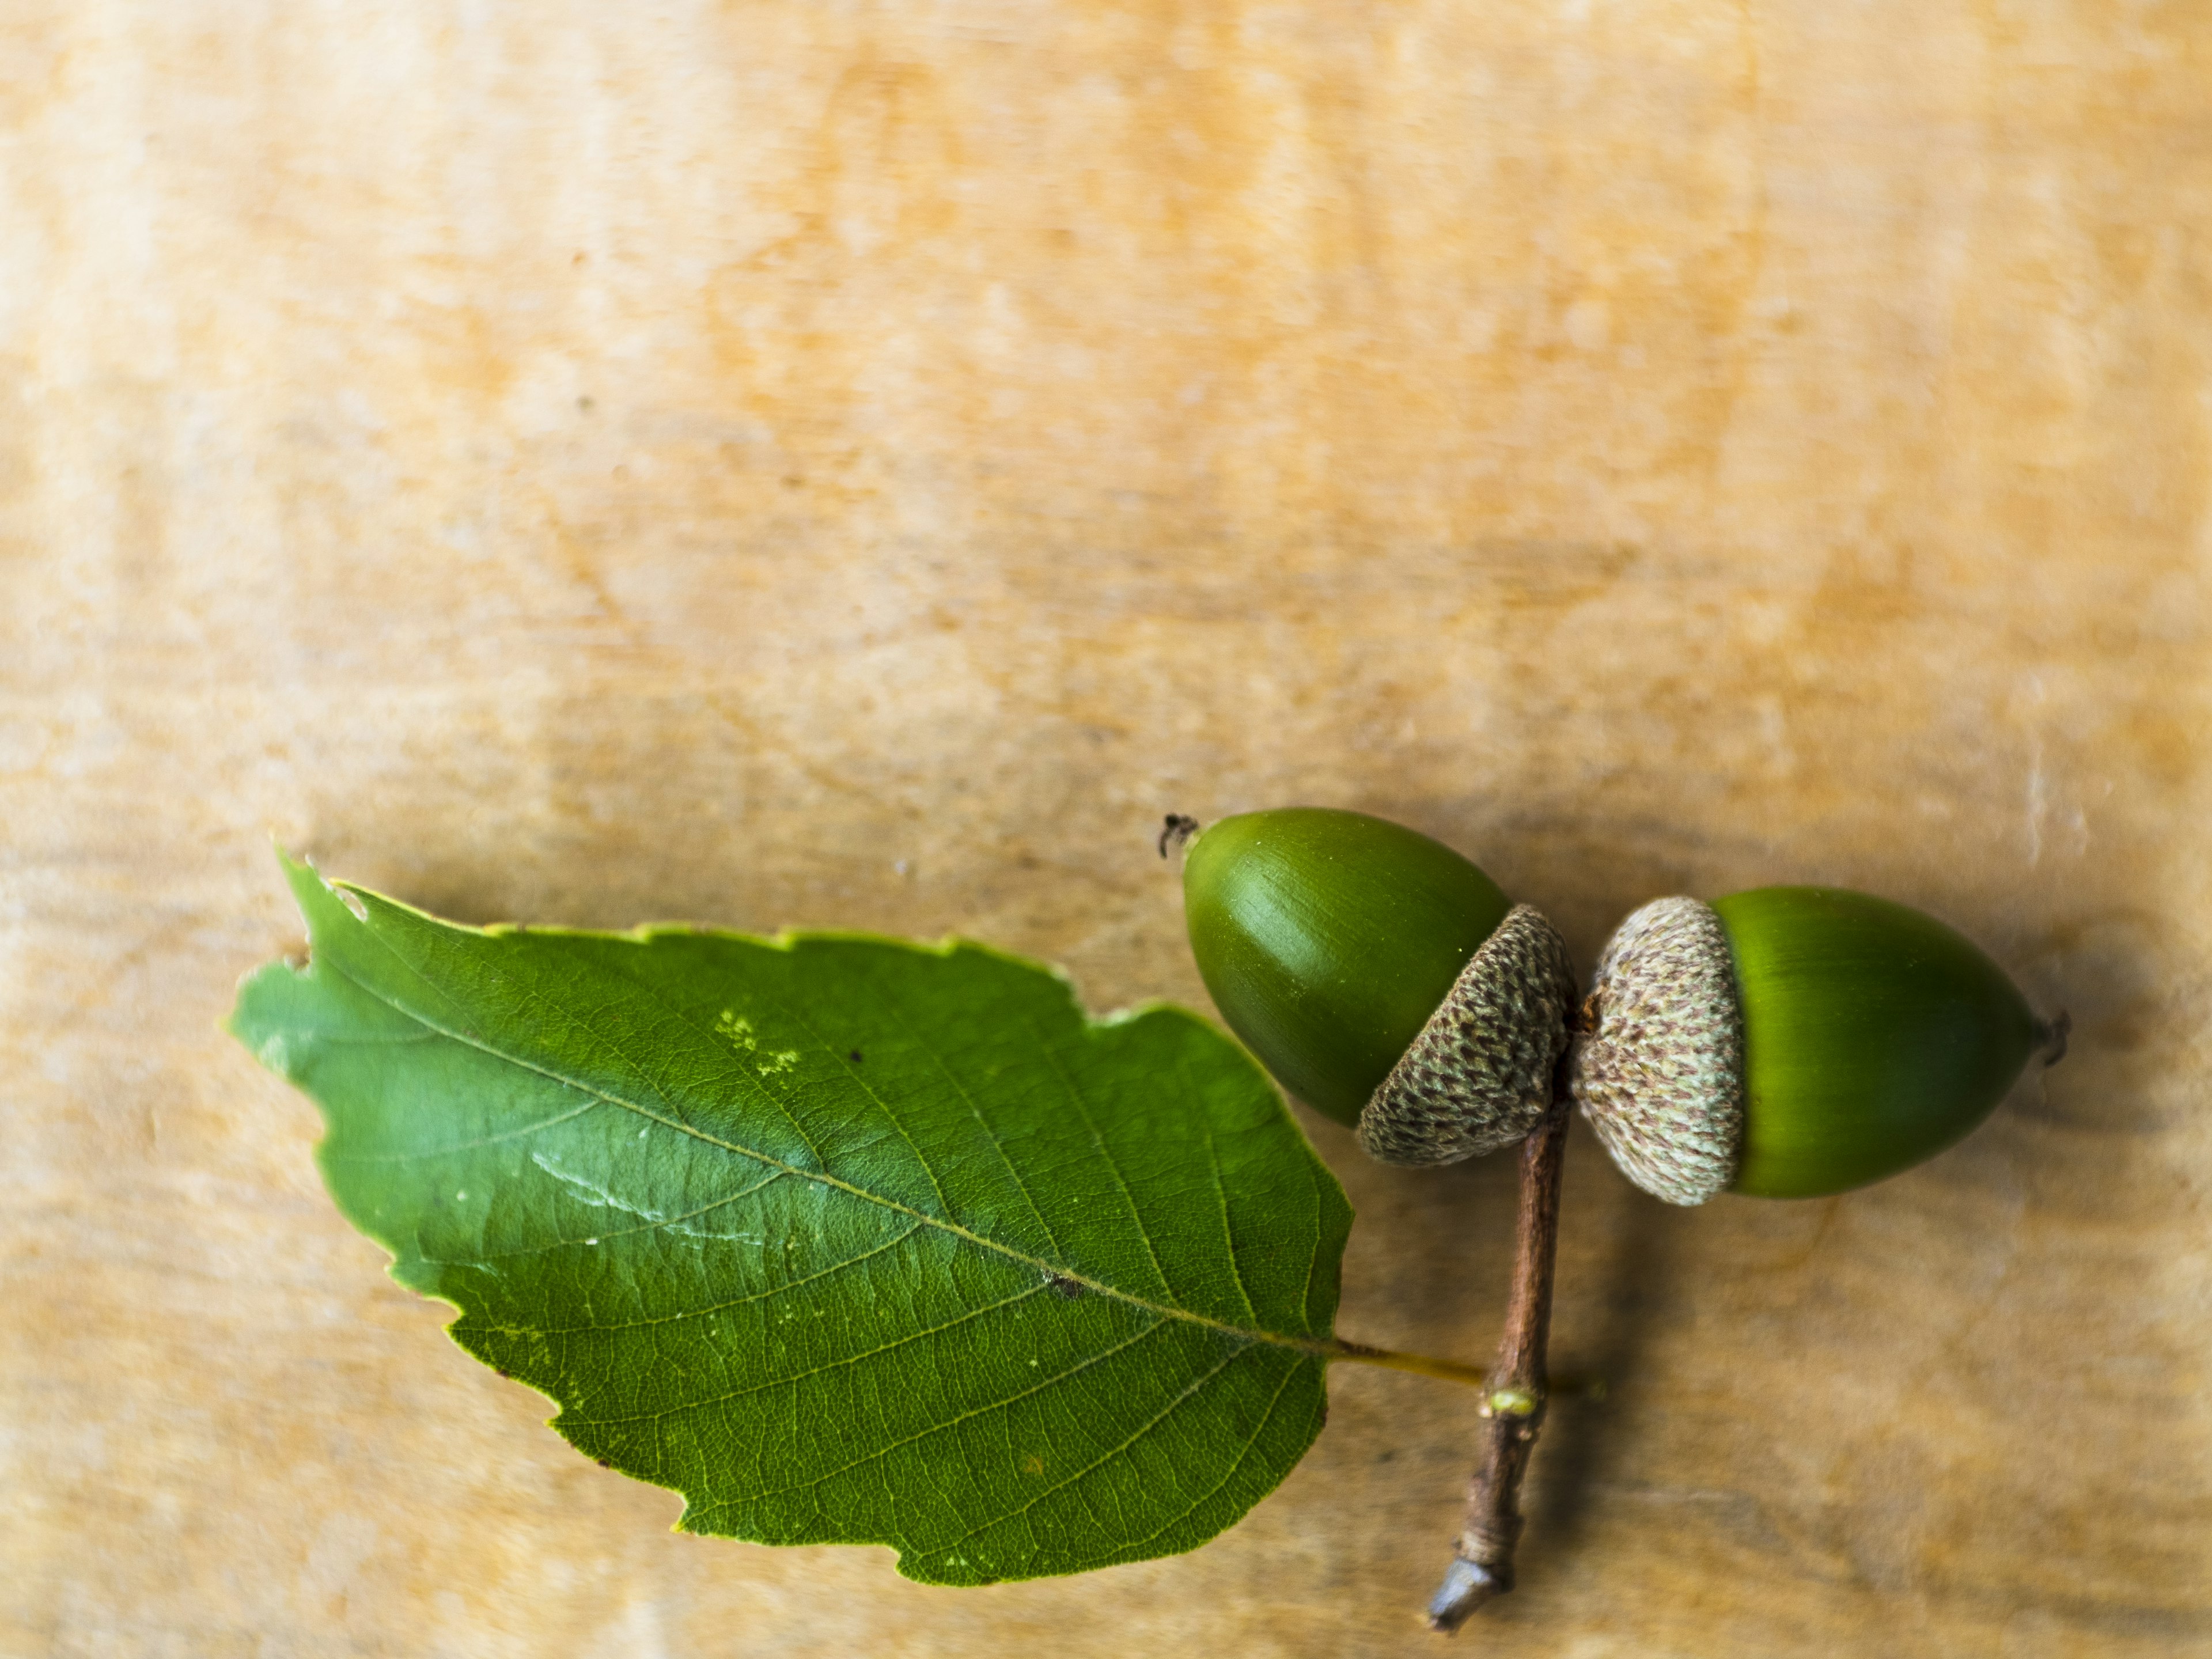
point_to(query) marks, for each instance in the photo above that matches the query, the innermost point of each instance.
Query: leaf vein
(1165, 1310)
(819, 1371)
(773, 1291)
(742, 1072)
(479, 1260)
(974, 1107)
(464, 1145)
(1228, 1233)
(1101, 1355)
(881, 1104)
(1143, 1428)
(1266, 1418)
(1098, 1140)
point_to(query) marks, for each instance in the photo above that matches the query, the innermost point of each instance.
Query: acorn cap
(1659, 1064)
(1479, 1075)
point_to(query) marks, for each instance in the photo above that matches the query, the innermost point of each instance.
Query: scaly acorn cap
(1658, 1067)
(1478, 1076)
(1793, 1042)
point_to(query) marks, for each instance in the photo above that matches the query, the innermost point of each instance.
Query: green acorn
(1793, 1042)
(1380, 976)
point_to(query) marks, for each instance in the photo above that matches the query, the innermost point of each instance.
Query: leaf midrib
(1311, 1346)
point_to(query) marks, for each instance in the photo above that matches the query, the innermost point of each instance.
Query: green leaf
(848, 1240)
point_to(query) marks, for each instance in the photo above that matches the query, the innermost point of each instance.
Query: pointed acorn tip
(2051, 1036)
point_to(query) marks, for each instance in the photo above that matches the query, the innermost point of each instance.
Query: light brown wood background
(859, 464)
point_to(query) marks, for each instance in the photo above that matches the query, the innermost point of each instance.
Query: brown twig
(1482, 1559)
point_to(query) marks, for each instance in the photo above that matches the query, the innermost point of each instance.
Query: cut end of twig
(1468, 1584)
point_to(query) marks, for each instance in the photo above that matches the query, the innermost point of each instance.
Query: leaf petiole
(1578, 1385)
(1421, 1364)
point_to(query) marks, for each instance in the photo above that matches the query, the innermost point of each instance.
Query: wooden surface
(787, 463)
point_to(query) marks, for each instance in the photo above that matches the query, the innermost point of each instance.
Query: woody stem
(1482, 1559)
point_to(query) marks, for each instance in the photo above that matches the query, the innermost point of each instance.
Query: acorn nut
(1793, 1042)
(1381, 977)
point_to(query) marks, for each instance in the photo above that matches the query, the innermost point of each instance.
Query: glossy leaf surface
(847, 1240)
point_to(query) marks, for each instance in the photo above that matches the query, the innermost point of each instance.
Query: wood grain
(776, 462)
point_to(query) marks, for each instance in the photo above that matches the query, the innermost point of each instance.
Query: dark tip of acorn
(2051, 1036)
(1181, 827)
(1478, 1076)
